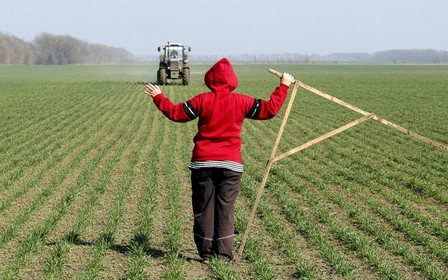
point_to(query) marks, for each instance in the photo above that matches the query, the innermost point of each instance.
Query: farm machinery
(174, 63)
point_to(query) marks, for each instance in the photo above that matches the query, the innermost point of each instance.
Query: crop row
(39, 234)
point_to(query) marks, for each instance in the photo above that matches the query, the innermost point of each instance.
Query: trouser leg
(226, 194)
(203, 200)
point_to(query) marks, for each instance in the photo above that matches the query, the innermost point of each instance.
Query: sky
(232, 27)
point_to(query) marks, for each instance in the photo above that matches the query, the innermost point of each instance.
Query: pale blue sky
(229, 27)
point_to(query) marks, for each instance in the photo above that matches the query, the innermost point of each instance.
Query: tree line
(47, 48)
(52, 49)
(426, 56)
(402, 56)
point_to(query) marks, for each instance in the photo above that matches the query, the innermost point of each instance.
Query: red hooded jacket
(221, 113)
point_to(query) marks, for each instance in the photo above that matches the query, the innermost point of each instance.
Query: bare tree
(59, 49)
(15, 51)
(64, 49)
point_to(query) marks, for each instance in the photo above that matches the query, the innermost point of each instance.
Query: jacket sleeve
(178, 113)
(267, 109)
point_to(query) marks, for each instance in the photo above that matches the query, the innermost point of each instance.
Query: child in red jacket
(216, 163)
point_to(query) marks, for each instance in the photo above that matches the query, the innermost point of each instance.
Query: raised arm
(267, 109)
(174, 112)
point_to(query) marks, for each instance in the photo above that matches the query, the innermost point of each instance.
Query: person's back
(221, 114)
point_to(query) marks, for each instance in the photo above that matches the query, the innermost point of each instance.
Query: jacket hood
(221, 77)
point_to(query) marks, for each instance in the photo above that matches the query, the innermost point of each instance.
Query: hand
(152, 90)
(287, 79)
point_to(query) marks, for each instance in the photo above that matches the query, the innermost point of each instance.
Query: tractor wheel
(186, 77)
(161, 76)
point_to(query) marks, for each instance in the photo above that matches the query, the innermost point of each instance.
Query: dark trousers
(214, 192)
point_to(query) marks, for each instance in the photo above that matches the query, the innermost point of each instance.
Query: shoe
(206, 259)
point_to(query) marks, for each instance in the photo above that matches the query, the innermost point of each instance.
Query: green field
(94, 181)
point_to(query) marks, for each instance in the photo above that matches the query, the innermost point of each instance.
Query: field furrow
(40, 171)
(75, 234)
(140, 242)
(46, 134)
(87, 158)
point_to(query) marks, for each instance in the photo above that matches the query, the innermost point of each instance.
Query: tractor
(174, 63)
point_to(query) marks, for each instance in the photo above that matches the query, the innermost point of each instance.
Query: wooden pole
(322, 137)
(268, 168)
(411, 133)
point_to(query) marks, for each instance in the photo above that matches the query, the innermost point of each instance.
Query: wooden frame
(273, 158)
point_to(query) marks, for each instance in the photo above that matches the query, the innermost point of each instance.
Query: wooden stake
(268, 168)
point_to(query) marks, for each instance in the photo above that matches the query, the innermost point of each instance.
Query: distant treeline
(58, 49)
(390, 56)
(63, 49)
